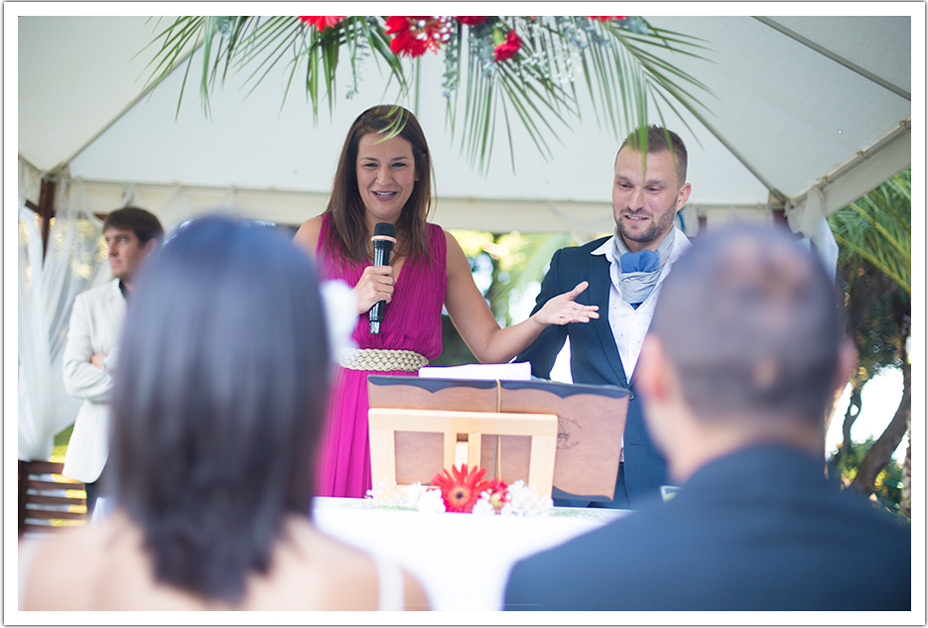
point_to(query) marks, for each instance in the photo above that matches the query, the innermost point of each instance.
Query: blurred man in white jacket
(132, 235)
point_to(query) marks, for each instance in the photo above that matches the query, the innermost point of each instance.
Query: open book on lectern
(590, 424)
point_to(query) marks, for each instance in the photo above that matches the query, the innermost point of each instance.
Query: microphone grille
(384, 229)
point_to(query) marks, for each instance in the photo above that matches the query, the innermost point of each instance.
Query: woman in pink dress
(386, 177)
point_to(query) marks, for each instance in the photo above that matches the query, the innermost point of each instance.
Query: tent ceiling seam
(905, 126)
(899, 91)
(554, 205)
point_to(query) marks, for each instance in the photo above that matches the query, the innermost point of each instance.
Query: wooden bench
(43, 503)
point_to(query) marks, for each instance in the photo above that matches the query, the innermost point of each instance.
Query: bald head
(750, 322)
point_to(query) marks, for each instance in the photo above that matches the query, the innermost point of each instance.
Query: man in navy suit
(625, 272)
(744, 355)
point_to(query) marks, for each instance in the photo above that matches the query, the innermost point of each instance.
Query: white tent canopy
(798, 103)
(806, 114)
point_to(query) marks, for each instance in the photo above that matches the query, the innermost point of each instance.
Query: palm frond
(624, 66)
(877, 228)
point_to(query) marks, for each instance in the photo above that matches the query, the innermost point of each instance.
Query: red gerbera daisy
(461, 488)
(413, 35)
(322, 21)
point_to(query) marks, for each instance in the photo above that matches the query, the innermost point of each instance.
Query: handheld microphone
(383, 240)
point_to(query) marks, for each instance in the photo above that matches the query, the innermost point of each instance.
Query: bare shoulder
(315, 543)
(56, 571)
(322, 572)
(307, 236)
(349, 564)
(456, 261)
(450, 240)
(414, 594)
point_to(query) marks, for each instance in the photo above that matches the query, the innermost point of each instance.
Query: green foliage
(60, 445)
(888, 485)
(878, 318)
(515, 261)
(874, 263)
(512, 262)
(877, 228)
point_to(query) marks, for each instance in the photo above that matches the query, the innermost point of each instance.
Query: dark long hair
(219, 395)
(349, 237)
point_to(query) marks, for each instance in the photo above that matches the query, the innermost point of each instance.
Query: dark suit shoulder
(573, 252)
(762, 529)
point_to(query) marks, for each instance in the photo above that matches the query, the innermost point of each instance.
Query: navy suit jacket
(759, 529)
(594, 359)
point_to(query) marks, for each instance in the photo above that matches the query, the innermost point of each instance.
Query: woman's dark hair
(219, 396)
(349, 236)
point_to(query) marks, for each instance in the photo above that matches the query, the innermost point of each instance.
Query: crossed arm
(84, 374)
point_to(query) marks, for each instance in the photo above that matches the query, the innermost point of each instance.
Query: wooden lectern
(565, 437)
(541, 428)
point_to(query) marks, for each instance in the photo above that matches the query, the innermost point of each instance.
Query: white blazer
(96, 322)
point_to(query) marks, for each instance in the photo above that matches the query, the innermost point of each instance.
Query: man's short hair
(143, 223)
(751, 322)
(655, 139)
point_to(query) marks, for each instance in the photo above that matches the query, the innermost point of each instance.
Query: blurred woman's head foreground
(218, 401)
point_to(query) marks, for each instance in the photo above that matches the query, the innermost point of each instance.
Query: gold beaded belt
(384, 360)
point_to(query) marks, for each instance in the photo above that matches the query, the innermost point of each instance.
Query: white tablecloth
(462, 560)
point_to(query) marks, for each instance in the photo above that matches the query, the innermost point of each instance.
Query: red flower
(499, 494)
(413, 35)
(508, 48)
(461, 489)
(471, 20)
(322, 21)
(606, 18)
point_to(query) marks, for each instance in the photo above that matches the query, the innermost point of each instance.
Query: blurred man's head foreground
(745, 346)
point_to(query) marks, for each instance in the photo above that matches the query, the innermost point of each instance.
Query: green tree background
(874, 236)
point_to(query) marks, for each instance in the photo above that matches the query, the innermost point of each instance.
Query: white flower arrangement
(484, 506)
(522, 501)
(387, 495)
(430, 500)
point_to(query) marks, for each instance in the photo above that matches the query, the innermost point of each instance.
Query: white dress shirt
(630, 325)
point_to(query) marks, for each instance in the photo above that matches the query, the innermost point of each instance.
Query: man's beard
(657, 229)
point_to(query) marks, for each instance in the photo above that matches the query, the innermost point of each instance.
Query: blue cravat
(642, 262)
(640, 272)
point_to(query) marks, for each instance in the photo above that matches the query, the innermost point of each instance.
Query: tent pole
(46, 210)
(829, 54)
(778, 210)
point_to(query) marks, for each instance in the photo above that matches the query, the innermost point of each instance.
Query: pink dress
(412, 321)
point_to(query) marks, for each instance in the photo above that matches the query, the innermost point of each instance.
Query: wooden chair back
(44, 505)
(384, 423)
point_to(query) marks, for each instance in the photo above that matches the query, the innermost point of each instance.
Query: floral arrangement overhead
(462, 490)
(528, 69)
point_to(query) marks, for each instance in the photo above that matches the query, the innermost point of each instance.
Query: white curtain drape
(809, 219)
(74, 262)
